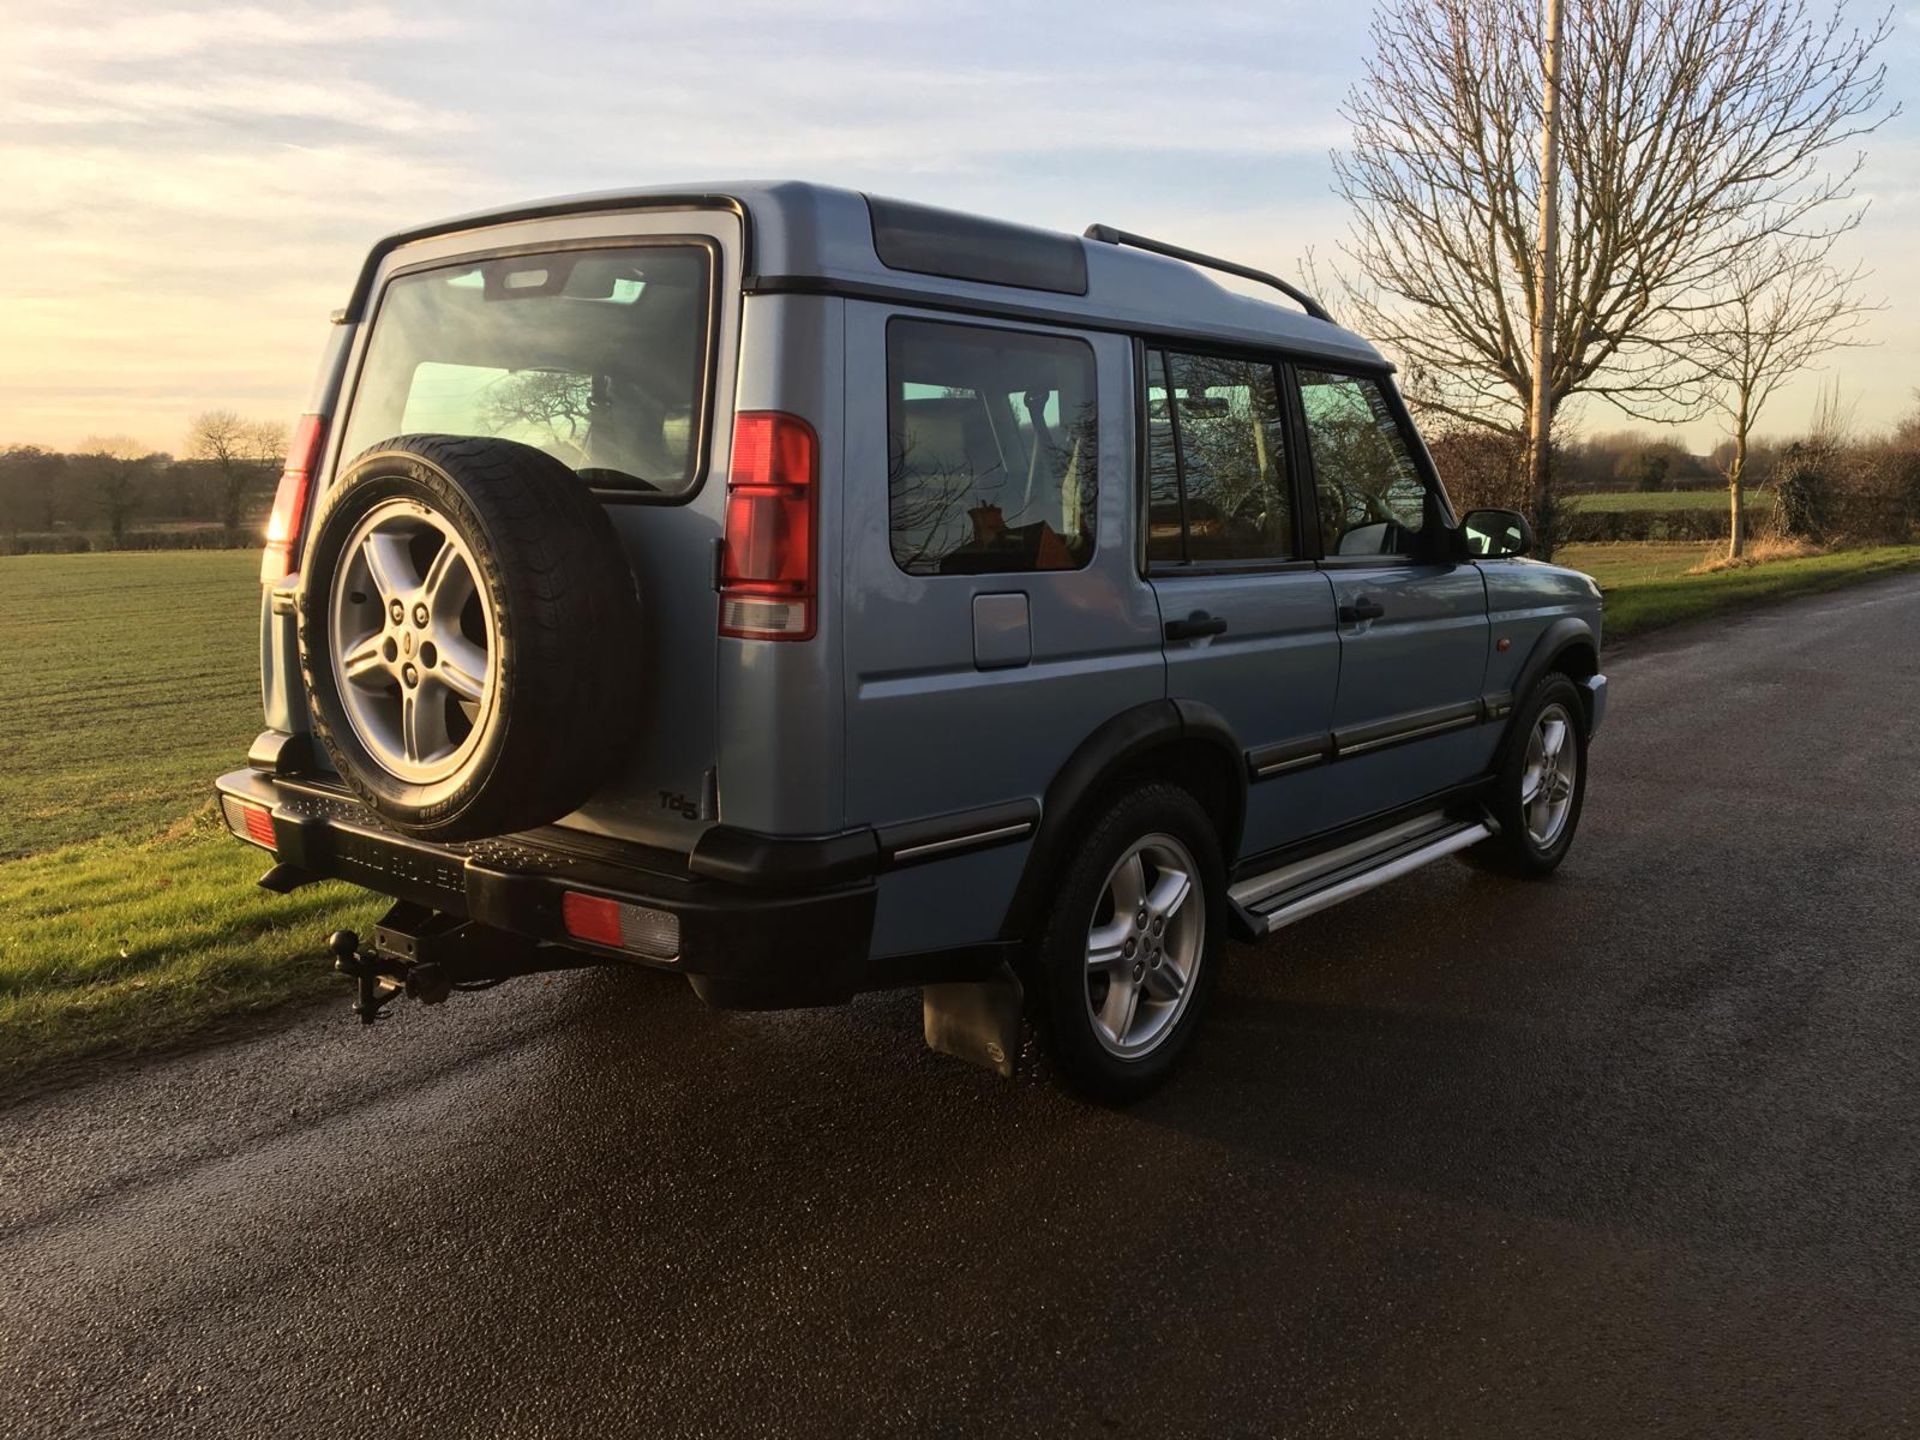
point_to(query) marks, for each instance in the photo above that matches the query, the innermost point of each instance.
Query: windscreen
(597, 357)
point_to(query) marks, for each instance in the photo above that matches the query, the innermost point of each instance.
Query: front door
(1413, 629)
(1249, 618)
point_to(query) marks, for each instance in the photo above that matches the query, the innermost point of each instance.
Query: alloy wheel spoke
(1104, 945)
(1123, 998)
(448, 583)
(1532, 784)
(1129, 885)
(423, 721)
(366, 665)
(1553, 735)
(1169, 893)
(390, 564)
(1166, 981)
(462, 668)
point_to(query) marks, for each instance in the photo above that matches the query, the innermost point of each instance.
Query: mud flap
(977, 1021)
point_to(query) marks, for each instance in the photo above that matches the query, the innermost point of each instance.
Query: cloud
(137, 38)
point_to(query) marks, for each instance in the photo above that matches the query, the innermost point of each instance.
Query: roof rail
(1108, 235)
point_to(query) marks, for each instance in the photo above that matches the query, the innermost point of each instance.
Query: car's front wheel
(1542, 783)
(1134, 944)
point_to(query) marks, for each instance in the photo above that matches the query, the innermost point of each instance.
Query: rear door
(1413, 629)
(1249, 617)
(994, 616)
(603, 341)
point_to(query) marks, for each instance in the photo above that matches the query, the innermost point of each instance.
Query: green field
(1666, 501)
(127, 915)
(127, 682)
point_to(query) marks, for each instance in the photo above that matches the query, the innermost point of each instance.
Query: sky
(187, 192)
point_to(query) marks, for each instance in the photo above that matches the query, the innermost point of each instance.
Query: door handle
(1196, 625)
(1361, 609)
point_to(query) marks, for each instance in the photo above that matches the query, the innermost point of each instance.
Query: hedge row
(198, 537)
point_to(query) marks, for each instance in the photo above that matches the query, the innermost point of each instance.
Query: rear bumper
(739, 944)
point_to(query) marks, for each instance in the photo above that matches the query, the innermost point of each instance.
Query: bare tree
(242, 451)
(1781, 309)
(1693, 132)
(116, 463)
(528, 402)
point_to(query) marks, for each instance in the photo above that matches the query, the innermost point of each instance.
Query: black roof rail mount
(1108, 235)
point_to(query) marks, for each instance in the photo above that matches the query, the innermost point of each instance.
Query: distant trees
(244, 454)
(112, 490)
(1645, 469)
(113, 463)
(29, 488)
(1695, 132)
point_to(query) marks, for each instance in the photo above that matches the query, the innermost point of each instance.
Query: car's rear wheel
(1542, 783)
(1134, 944)
(469, 635)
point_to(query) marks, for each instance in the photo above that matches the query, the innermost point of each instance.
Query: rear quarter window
(993, 440)
(599, 357)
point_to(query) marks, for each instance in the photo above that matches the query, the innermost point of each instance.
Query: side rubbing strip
(1287, 755)
(930, 839)
(1363, 738)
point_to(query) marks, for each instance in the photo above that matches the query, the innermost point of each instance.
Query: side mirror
(1494, 534)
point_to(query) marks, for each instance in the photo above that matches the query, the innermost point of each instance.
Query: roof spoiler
(1107, 234)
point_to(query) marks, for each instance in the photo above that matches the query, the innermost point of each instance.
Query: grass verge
(119, 944)
(1649, 586)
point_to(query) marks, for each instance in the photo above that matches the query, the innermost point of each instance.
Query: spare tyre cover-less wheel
(462, 610)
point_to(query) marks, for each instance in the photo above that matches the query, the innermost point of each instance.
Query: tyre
(467, 626)
(1541, 784)
(1133, 945)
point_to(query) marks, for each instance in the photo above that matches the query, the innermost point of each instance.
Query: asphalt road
(1635, 1150)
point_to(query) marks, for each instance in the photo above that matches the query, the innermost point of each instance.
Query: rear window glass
(993, 442)
(597, 357)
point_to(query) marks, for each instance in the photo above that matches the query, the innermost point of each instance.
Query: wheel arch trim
(1108, 752)
(1565, 639)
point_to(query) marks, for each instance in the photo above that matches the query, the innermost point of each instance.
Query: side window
(992, 442)
(1370, 494)
(1216, 461)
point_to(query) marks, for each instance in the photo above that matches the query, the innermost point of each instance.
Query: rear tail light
(620, 926)
(768, 568)
(291, 498)
(249, 822)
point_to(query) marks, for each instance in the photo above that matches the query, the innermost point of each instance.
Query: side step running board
(1268, 902)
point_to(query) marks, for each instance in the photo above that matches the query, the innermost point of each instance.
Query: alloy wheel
(1144, 946)
(414, 642)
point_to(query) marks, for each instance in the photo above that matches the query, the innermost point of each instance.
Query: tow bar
(428, 955)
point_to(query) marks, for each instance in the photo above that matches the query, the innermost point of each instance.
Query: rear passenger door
(1248, 616)
(1413, 625)
(994, 615)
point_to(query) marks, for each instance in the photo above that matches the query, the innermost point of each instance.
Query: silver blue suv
(814, 593)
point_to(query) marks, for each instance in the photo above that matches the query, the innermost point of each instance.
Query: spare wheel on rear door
(469, 635)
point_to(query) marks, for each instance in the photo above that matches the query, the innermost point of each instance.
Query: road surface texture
(1632, 1151)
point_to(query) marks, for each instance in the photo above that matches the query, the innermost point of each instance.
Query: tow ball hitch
(428, 955)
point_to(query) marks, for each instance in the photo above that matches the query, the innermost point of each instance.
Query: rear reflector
(619, 926)
(249, 822)
(290, 500)
(768, 566)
